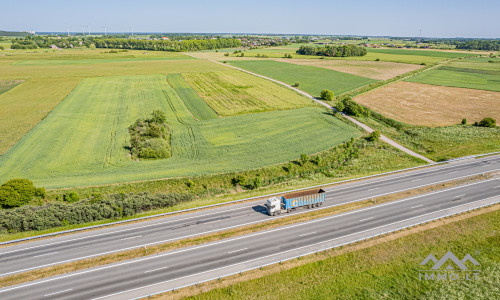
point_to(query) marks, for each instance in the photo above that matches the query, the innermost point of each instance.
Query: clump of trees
(348, 106)
(327, 95)
(167, 45)
(150, 138)
(334, 51)
(56, 214)
(373, 136)
(490, 45)
(18, 192)
(486, 122)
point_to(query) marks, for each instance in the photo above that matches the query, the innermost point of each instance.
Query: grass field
(387, 270)
(23, 107)
(441, 143)
(311, 79)
(378, 70)
(431, 105)
(234, 92)
(6, 85)
(82, 142)
(193, 102)
(472, 78)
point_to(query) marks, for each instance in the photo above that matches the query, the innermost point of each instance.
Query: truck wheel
(321, 203)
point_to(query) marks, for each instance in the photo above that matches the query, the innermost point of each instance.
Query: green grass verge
(233, 92)
(311, 79)
(83, 141)
(472, 78)
(388, 270)
(192, 100)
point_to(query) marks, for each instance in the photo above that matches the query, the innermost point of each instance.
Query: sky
(436, 18)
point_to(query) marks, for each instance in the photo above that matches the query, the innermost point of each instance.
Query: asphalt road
(193, 264)
(52, 251)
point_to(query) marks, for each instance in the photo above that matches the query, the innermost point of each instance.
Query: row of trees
(56, 214)
(489, 45)
(337, 51)
(166, 45)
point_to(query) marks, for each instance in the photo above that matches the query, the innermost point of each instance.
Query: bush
(296, 84)
(327, 95)
(487, 122)
(71, 197)
(238, 180)
(303, 159)
(150, 138)
(16, 192)
(189, 183)
(226, 54)
(339, 106)
(373, 136)
(464, 121)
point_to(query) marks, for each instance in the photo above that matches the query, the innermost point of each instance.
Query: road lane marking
(229, 240)
(154, 270)
(132, 237)
(417, 206)
(416, 179)
(453, 172)
(45, 254)
(309, 233)
(366, 219)
(374, 189)
(237, 250)
(459, 196)
(60, 292)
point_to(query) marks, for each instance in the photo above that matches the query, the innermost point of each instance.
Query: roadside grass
(373, 158)
(193, 102)
(83, 141)
(438, 143)
(6, 85)
(234, 92)
(25, 106)
(431, 105)
(311, 79)
(386, 267)
(461, 77)
(220, 235)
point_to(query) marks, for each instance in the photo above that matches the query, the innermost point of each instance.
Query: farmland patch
(6, 85)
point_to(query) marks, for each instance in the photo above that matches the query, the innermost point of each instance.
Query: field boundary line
(244, 199)
(362, 125)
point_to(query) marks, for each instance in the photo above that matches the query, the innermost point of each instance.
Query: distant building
(54, 47)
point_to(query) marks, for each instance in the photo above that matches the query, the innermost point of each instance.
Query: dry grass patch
(380, 70)
(430, 105)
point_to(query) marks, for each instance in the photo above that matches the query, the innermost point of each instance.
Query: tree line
(489, 45)
(337, 51)
(166, 45)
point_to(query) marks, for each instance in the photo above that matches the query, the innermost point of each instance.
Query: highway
(41, 253)
(194, 264)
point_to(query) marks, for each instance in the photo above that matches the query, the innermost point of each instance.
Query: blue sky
(435, 18)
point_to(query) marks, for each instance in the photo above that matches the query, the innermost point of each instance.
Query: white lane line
(374, 189)
(460, 196)
(237, 250)
(366, 219)
(132, 237)
(453, 172)
(60, 292)
(417, 206)
(309, 233)
(154, 270)
(486, 166)
(416, 179)
(45, 254)
(497, 187)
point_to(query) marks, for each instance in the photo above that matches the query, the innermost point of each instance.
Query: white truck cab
(273, 206)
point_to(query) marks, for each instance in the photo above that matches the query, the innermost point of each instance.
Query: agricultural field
(473, 74)
(378, 70)
(83, 140)
(234, 92)
(311, 79)
(193, 102)
(6, 85)
(431, 105)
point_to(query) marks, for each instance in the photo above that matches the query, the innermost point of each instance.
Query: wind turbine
(83, 30)
(105, 30)
(67, 29)
(89, 28)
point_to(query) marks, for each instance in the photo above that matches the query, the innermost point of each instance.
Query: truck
(290, 202)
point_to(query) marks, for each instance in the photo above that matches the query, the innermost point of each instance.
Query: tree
(374, 136)
(71, 197)
(340, 106)
(158, 116)
(464, 121)
(487, 122)
(327, 95)
(303, 159)
(16, 192)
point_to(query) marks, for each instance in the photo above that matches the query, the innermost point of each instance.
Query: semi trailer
(292, 201)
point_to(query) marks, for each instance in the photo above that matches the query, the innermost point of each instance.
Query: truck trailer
(292, 201)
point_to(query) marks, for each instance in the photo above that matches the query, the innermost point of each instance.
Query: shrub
(373, 136)
(189, 183)
(71, 197)
(327, 95)
(487, 122)
(340, 105)
(150, 138)
(238, 180)
(377, 59)
(303, 159)
(40, 192)
(464, 121)
(226, 54)
(16, 192)
(296, 84)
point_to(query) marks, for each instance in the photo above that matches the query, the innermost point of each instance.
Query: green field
(311, 79)
(474, 74)
(82, 142)
(431, 53)
(234, 92)
(386, 271)
(193, 102)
